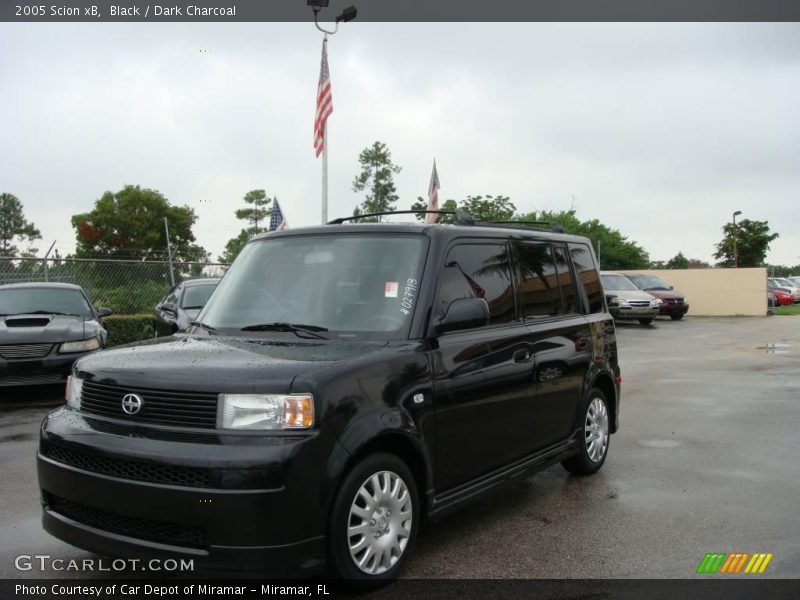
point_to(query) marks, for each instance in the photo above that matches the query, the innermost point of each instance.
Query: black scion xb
(343, 384)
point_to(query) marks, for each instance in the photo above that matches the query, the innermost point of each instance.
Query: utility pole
(735, 248)
(169, 253)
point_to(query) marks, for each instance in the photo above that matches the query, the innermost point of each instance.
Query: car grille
(25, 350)
(32, 379)
(639, 303)
(676, 301)
(127, 469)
(173, 534)
(163, 407)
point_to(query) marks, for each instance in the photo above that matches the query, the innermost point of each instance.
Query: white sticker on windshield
(390, 289)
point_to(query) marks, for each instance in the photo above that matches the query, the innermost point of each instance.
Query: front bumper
(673, 309)
(243, 502)
(636, 312)
(50, 369)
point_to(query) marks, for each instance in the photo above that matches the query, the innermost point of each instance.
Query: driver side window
(478, 271)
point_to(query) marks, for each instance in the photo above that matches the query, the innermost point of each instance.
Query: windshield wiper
(294, 328)
(204, 326)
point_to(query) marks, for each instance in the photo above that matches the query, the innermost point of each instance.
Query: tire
(645, 321)
(595, 423)
(393, 514)
(676, 316)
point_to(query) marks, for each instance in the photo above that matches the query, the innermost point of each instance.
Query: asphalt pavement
(706, 460)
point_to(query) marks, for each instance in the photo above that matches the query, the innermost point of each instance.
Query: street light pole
(735, 248)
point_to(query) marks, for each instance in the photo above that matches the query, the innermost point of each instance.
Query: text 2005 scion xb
(344, 383)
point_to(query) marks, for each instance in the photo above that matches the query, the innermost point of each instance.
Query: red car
(781, 297)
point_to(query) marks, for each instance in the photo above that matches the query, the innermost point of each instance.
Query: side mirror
(103, 312)
(672, 288)
(464, 313)
(612, 300)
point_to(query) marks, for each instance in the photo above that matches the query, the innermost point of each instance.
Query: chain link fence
(127, 287)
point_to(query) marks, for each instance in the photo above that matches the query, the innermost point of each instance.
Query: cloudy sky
(659, 130)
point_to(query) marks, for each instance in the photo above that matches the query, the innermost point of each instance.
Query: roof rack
(554, 227)
(462, 218)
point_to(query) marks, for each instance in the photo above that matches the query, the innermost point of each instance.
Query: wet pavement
(707, 460)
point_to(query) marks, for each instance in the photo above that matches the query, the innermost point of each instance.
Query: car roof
(41, 284)
(433, 230)
(200, 281)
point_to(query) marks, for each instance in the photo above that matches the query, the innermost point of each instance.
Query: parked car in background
(44, 328)
(182, 305)
(633, 303)
(782, 296)
(786, 285)
(671, 303)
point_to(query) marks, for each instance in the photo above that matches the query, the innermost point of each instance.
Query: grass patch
(791, 309)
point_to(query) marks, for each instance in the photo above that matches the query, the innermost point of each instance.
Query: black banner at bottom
(411, 589)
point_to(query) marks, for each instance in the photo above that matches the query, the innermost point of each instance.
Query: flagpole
(325, 174)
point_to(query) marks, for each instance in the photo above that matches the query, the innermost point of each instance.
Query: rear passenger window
(572, 301)
(478, 271)
(538, 280)
(588, 276)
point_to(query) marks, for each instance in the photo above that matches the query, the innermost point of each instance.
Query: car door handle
(523, 356)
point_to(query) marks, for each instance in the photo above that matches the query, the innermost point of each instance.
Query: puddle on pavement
(775, 348)
(659, 443)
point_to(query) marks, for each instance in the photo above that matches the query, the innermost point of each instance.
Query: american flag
(433, 196)
(276, 220)
(324, 101)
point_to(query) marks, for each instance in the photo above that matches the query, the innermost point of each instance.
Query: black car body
(44, 328)
(452, 357)
(181, 305)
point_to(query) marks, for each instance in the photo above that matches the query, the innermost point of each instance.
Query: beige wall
(718, 292)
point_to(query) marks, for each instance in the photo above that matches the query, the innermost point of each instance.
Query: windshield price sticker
(390, 289)
(409, 295)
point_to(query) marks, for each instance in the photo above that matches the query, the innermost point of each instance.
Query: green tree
(679, 261)
(377, 176)
(483, 208)
(235, 245)
(14, 227)
(614, 250)
(753, 239)
(130, 223)
(254, 214)
(257, 210)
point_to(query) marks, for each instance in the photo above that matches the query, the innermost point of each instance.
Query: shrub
(124, 329)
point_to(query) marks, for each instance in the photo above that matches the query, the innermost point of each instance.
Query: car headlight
(685, 300)
(265, 411)
(73, 392)
(623, 302)
(654, 303)
(659, 301)
(81, 346)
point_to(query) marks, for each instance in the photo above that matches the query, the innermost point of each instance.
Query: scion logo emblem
(132, 404)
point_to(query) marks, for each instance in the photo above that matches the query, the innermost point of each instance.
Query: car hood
(666, 294)
(34, 329)
(220, 363)
(630, 294)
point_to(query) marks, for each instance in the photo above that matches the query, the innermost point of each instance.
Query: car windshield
(337, 286)
(41, 300)
(618, 283)
(196, 296)
(648, 282)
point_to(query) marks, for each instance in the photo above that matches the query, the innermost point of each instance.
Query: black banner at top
(399, 10)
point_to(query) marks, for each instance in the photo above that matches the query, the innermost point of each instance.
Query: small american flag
(433, 196)
(324, 101)
(276, 220)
